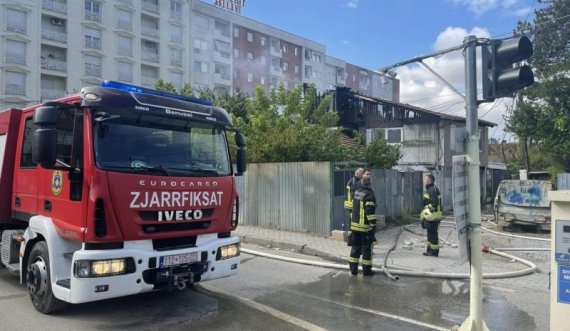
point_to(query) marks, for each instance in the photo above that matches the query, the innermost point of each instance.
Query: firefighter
(349, 192)
(431, 215)
(363, 227)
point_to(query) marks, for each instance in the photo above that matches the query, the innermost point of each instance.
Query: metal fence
(287, 196)
(563, 182)
(308, 196)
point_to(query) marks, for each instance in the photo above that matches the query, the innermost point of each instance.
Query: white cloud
(481, 6)
(421, 88)
(522, 12)
(352, 4)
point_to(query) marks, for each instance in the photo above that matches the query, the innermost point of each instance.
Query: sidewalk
(406, 256)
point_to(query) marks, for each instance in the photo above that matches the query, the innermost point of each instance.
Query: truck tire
(38, 281)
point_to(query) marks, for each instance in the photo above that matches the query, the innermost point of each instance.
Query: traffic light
(500, 75)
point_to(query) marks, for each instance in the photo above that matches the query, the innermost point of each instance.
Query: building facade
(51, 48)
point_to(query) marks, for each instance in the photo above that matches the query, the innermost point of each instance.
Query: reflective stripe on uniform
(353, 260)
(366, 262)
(348, 201)
(369, 203)
(371, 217)
(432, 246)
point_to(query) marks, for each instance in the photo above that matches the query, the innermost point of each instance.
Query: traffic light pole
(475, 320)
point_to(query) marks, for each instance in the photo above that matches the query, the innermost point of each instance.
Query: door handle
(47, 205)
(18, 202)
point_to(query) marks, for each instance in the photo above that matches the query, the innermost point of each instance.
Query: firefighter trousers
(433, 238)
(361, 245)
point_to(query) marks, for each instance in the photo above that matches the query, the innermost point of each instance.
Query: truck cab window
(26, 157)
(70, 138)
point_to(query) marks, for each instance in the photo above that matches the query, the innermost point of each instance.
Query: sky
(378, 33)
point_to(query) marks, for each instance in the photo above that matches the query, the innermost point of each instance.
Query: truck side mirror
(241, 154)
(44, 139)
(240, 140)
(241, 161)
(44, 144)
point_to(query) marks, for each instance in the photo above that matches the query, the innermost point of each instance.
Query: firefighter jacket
(363, 218)
(432, 201)
(349, 192)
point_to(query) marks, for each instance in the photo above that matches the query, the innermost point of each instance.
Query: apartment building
(51, 48)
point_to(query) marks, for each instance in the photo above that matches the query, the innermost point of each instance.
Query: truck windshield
(140, 143)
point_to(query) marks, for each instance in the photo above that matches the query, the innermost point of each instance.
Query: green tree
(380, 154)
(542, 113)
(161, 85)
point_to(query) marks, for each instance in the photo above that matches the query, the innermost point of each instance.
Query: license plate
(170, 260)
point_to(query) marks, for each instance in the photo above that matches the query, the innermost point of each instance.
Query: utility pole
(475, 320)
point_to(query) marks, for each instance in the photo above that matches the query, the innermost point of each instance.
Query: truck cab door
(25, 186)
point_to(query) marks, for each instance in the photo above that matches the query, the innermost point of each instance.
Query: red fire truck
(115, 191)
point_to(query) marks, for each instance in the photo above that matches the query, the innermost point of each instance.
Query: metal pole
(475, 320)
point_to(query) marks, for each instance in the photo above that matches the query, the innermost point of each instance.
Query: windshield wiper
(139, 169)
(196, 171)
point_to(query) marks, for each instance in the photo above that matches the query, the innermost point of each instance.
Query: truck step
(64, 283)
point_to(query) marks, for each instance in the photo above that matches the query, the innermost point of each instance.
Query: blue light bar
(140, 89)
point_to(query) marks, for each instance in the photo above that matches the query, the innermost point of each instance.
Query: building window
(200, 66)
(285, 66)
(250, 56)
(308, 72)
(176, 34)
(15, 52)
(93, 38)
(124, 46)
(236, 53)
(176, 79)
(223, 48)
(284, 46)
(175, 10)
(263, 60)
(223, 28)
(236, 73)
(249, 77)
(296, 69)
(200, 45)
(296, 51)
(176, 56)
(93, 66)
(14, 83)
(262, 41)
(125, 71)
(236, 32)
(92, 10)
(393, 136)
(223, 70)
(16, 21)
(250, 37)
(124, 20)
(262, 80)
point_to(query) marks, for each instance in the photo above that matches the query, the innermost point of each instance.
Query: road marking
(263, 308)
(376, 312)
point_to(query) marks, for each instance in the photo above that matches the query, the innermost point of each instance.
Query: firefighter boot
(429, 252)
(436, 252)
(353, 268)
(367, 270)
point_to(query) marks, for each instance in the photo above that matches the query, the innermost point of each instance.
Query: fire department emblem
(56, 182)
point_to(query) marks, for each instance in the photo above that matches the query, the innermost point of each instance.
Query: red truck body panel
(9, 121)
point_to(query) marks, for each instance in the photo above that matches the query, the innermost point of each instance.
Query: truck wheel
(38, 280)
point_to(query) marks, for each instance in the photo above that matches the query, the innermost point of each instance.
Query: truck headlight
(103, 268)
(227, 252)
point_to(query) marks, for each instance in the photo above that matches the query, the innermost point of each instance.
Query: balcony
(277, 52)
(222, 57)
(222, 78)
(275, 70)
(151, 32)
(54, 64)
(93, 16)
(16, 58)
(148, 81)
(54, 35)
(125, 50)
(177, 39)
(51, 94)
(93, 70)
(54, 6)
(124, 24)
(125, 77)
(93, 43)
(16, 27)
(176, 15)
(151, 57)
(15, 89)
(151, 7)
